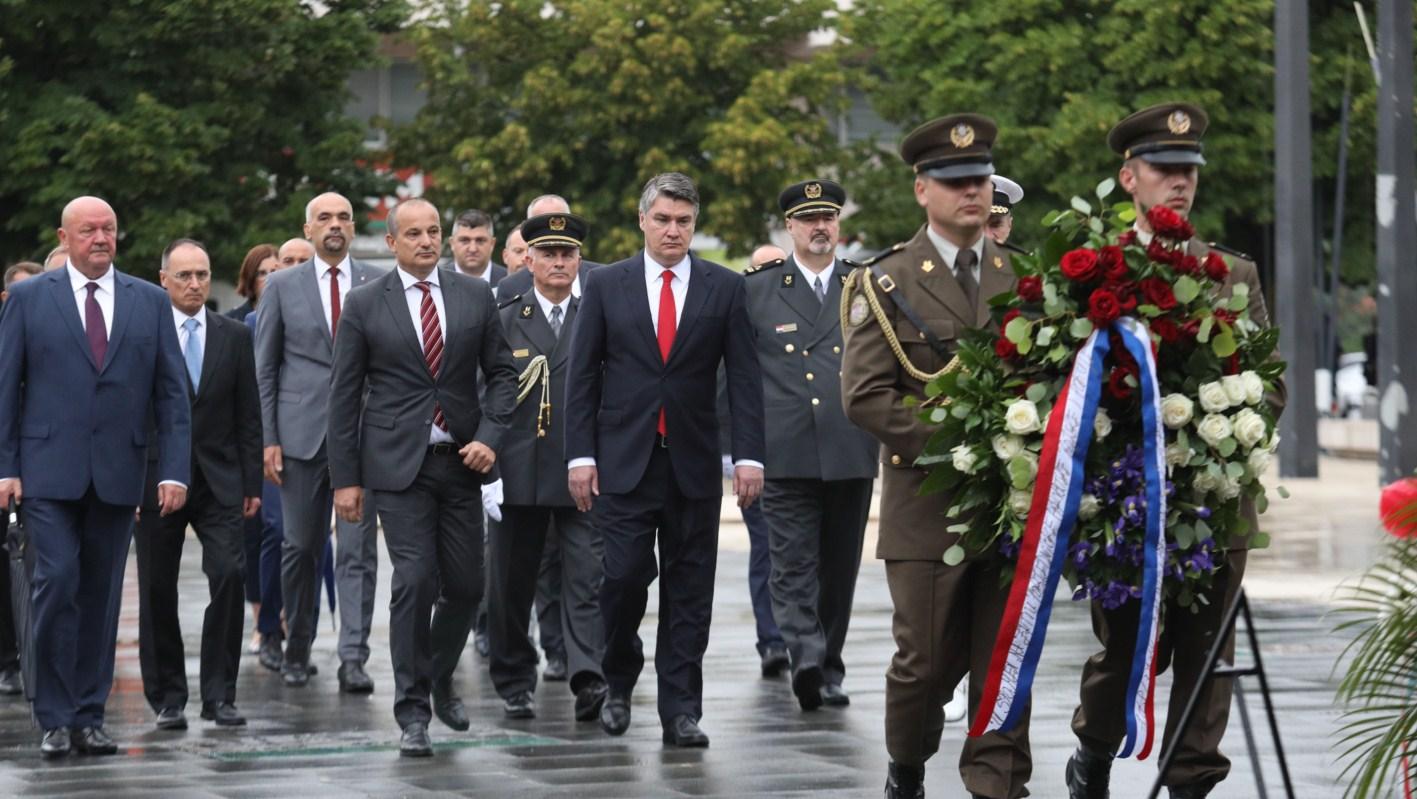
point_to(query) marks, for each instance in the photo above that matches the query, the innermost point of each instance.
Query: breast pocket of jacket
(916, 344)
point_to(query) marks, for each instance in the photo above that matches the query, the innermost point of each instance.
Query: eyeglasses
(188, 277)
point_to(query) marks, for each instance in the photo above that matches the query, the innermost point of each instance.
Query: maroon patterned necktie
(432, 342)
(93, 326)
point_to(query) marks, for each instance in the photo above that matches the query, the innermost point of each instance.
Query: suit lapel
(537, 328)
(939, 280)
(795, 293)
(700, 287)
(457, 308)
(310, 289)
(398, 310)
(123, 300)
(996, 276)
(563, 345)
(636, 293)
(213, 353)
(63, 293)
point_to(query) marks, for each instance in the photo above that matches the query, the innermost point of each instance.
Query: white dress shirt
(198, 336)
(413, 295)
(950, 252)
(346, 282)
(104, 296)
(811, 277)
(547, 305)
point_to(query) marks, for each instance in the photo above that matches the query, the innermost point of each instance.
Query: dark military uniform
(946, 617)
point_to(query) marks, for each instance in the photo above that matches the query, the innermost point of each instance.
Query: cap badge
(813, 190)
(557, 223)
(927, 265)
(962, 135)
(1179, 122)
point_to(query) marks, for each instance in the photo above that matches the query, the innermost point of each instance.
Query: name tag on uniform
(790, 327)
(521, 353)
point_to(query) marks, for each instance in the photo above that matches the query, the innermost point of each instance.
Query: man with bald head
(295, 337)
(295, 252)
(90, 354)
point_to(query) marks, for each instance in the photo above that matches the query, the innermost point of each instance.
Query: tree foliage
(589, 98)
(216, 119)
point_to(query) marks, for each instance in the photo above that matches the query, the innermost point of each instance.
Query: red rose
(1215, 267)
(1081, 266)
(1191, 329)
(1162, 254)
(1010, 315)
(1005, 349)
(1114, 266)
(1158, 292)
(1030, 288)
(1127, 239)
(1126, 292)
(1167, 329)
(1226, 315)
(1187, 265)
(1103, 307)
(1395, 507)
(1232, 364)
(1117, 384)
(1168, 224)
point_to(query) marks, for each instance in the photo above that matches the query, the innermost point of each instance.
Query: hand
(349, 503)
(250, 506)
(492, 500)
(274, 465)
(478, 457)
(170, 498)
(10, 491)
(747, 484)
(584, 482)
(728, 467)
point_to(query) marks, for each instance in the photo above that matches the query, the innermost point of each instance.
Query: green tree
(216, 119)
(589, 98)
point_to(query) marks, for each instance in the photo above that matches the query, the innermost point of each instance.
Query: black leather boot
(1088, 774)
(905, 782)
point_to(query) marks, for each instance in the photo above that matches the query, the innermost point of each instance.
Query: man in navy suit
(643, 450)
(90, 353)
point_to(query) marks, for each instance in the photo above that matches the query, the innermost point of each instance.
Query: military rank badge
(521, 353)
(526, 311)
(927, 265)
(790, 327)
(859, 310)
(998, 262)
(787, 280)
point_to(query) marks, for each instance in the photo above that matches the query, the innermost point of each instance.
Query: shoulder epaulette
(512, 300)
(766, 265)
(897, 247)
(1014, 248)
(1230, 251)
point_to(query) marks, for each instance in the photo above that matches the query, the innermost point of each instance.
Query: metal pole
(1293, 242)
(1397, 242)
(1331, 358)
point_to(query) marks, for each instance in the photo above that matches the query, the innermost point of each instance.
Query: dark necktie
(93, 326)
(964, 273)
(667, 324)
(432, 342)
(556, 321)
(820, 289)
(334, 299)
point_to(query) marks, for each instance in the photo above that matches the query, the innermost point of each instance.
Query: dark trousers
(817, 527)
(1186, 638)
(267, 564)
(945, 621)
(515, 550)
(252, 530)
(9, 638)
(549, 609)
(687, 533)
(759, 575)
(80, 548)
(221, 531)
(433, 531)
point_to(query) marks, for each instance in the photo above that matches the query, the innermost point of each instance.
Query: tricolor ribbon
(1044, 548)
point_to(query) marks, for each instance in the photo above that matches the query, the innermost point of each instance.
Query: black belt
(443, 449)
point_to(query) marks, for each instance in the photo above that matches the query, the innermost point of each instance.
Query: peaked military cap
(954, 146)
(1006, 194)
(811, 197)
(555, 230)
(1169, 133)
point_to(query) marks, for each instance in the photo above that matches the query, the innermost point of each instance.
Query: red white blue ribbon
(1044, 548)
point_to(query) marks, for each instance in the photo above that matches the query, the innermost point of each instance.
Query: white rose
(1029, 458)
(1177, 411)
(1205, 482)
(1101, 424)
(1089, 507)
(1229, 487)
(1021, 418)
(1234, 389)
(1177, 455)
(1259, 461)
(1214, 428)
(1273, 442)
(1254, 388)
(1006, 447)
(1249, 427)
(964, 460)
(1020, 501)
(1213, 398)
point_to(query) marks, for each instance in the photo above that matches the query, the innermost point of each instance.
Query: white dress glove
(492, 500)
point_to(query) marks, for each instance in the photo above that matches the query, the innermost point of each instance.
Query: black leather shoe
(353, 680)
(171, 718)
(684, 732)
(223, 714)
(589, 700)
(555, 670)
(11, 683)
(615, 714)
(294, 675)
(905, 782)
(481, 644)
(92, 741)
(807, 684)
(1199, 790)
(1088, 774)
(448, 707)
(271, 656)
(775, 660)
(835, 696)
(415, 742)
(519, 706)
(55, 743)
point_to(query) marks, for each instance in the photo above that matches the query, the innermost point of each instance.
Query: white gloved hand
(492, 500)
(728, 467)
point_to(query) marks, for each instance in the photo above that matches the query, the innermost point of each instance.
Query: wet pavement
(315, 742)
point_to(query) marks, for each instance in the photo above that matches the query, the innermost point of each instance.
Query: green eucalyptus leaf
(1237, 302)
(1036, 392)
(1186, 289)
(1203, 334)
(954, 555)
(1082, 206)
(1223, 345)
(1081, 328)
(1105, 188)
(1227, 447)
(1025, 345)
(1017, 330)
(1045, 335)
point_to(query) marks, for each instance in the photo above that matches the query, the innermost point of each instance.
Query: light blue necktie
(194, 352)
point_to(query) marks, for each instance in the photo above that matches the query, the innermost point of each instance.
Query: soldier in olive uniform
(820, 467)
(903, 315)
(1161, 151)
(533, 468)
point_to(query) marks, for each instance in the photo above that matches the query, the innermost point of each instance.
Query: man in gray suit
(421, 441)
(819, 465)
(295, 333)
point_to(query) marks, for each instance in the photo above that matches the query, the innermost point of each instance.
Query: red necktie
(334, 299)
(667, 325)
(432, 343)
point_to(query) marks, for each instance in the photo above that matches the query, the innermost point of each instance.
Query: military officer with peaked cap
(1007, 194)
(820, 467)
(1162, 153)
(533, 467)
(903, 316)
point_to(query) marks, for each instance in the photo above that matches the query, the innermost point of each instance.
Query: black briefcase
(21, 565)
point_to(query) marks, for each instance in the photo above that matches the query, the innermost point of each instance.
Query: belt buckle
(443, 448)
(887, 285)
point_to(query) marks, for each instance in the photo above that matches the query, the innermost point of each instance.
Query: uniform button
(811, 376)
(805, 353)
(816, 401)
(836, 350)
(790, 348)
(895, 460)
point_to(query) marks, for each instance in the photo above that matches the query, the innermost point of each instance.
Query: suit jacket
(68, 423)
(226, 417)
(798, 341)
(382, 444)
(494, 274)
(617, 383)
(533, 468)
(240, 312)
(874, 384)
(518, 284)
(294, 353)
